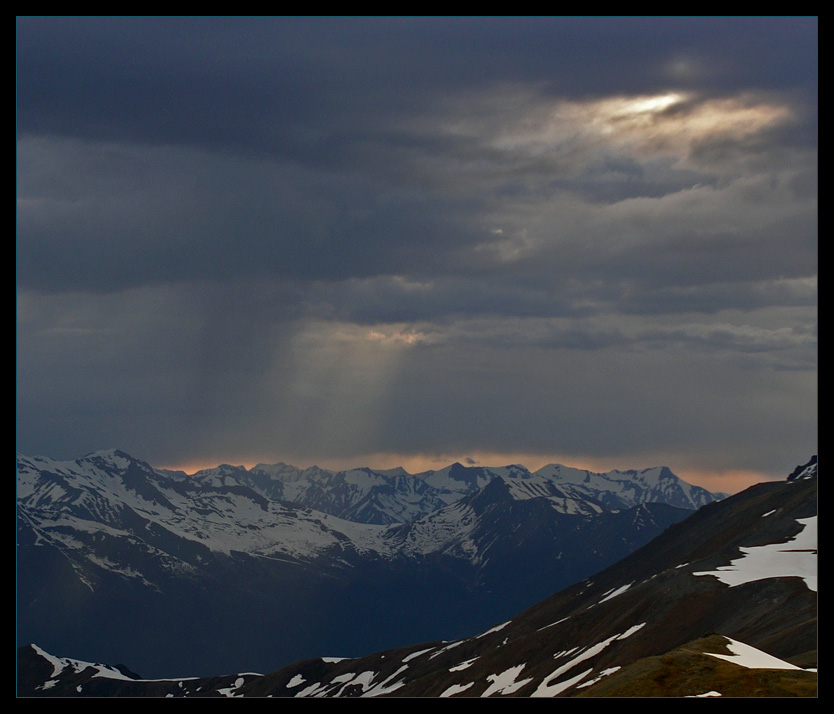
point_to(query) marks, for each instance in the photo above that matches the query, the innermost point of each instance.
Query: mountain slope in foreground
(721, 604)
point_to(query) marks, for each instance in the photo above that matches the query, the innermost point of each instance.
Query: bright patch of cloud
(664, 123)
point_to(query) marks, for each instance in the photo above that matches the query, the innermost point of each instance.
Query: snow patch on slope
(750, 657)
(795, 558)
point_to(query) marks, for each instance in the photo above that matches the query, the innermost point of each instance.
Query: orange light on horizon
(725, 481)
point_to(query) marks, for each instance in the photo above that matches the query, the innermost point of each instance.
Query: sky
(411, 241)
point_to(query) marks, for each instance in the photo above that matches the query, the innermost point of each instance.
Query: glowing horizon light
(420, 462)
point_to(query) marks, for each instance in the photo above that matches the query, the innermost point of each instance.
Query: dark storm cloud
(270, 83)
(110, 217)
(332, 236)
(324, 146)
(619, 402)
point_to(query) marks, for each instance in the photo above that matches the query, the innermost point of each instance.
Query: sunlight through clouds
(660, 124)
(417, 236)
(338, 380)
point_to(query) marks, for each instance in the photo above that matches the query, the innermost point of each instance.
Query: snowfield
(750, 657)
(794, 558)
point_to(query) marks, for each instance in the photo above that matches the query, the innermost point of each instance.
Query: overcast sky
(410, 241)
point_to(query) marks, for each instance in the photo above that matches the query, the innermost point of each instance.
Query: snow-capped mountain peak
(625, 489)
(645, 626)
(121, 531)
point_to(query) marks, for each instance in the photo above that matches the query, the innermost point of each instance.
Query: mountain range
(721, 603)
(252, 568)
